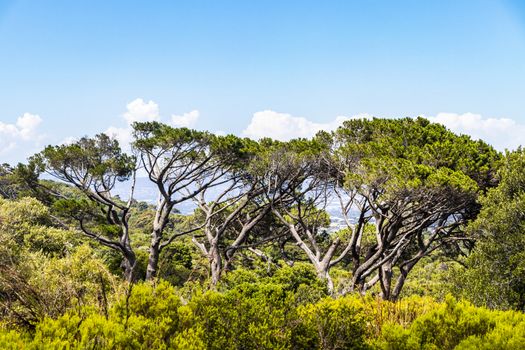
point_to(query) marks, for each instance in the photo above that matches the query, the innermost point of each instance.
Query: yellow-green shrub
(332, 324)
(247, 317)
(444, 327)
(146, 318)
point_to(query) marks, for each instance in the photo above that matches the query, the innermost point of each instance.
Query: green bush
(443, 328)
(266, 316)
(12, 340)
(332, 324)
(509, 333)
(146, 318)
(247, 317)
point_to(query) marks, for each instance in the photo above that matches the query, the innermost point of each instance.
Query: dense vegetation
(428, 254)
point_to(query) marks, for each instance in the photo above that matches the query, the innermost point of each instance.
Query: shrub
(442, 328)
(145, 318)
(247, 317)
(509, 333)
(332, 324)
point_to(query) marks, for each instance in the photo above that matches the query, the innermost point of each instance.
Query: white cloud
(140, 111)
(283, 126)
(23, 133)
(27, 124)
(123, 136)
(187, 120)
(137, 111)
(502, 133)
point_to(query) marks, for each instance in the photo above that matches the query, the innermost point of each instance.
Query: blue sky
(285, 68)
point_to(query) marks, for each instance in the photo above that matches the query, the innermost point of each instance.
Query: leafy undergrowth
(270, 314)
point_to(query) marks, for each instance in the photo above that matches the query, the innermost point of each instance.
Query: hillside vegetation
(429, 253)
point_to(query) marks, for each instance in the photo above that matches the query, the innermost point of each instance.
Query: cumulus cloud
(502, 133)
(187, 120)
(24, 133)
(27, 124)
(284, 126)
(122, 135)
(139, 110)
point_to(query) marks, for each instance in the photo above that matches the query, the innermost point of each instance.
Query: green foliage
(299, 279)
(50, 240)
(446, 326)
(509, 333)
(147, 317)
(13, 340)
(16, 217)
(7, 187)
(432, 277)
(244, 318)
(405, 154)
(333, 324)
(151, 135)
(300, 274)
(176, 262)
(88, 159)
(264, 315)
(27, 222)
(456, 325)
(255, 309)
(35, 286)
(495, 273)
(420, 142)
(56, 292)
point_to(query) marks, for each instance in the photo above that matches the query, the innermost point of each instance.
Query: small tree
(416, 182)
(174, 160)
(185, 165)
(94, 166)
(297, 189)
(494, 274)
(229, 213)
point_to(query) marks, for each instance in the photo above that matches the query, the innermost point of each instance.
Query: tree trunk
(128, 265)
(154, 253)
(404, 270)
(159, 223)
(399, 285)
(215, 264)
(324, 275)
(385, 281)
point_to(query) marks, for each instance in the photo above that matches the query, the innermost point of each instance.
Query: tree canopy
(349, 239)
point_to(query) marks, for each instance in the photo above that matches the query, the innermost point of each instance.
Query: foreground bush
(457, 325)
(146, 317)
(333, 324)
(270, 316)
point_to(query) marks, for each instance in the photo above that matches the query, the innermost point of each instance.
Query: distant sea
(146, 191)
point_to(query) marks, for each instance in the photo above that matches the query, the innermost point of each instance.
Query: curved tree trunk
(215, 265)
(385, 281)
(324, 275)
(159, 223)
(129, 264)
(154, 254)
